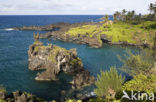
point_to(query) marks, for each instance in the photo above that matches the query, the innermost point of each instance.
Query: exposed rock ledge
(59, 30)
(55, 60)
(18, 97)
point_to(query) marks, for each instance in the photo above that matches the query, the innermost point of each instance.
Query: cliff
(54, 60)
(95, 34)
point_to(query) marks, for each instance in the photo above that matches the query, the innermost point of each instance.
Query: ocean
(14, 72)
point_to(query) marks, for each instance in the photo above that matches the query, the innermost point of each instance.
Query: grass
(76, 61)
(87, 30)
(2, 89)
(119, 32)
(54, 53)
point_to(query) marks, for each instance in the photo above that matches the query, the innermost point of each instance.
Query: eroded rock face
(54, 60)
(19, 97)
(59, 30)
(2, 95)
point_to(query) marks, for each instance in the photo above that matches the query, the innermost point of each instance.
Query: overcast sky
(49, 7)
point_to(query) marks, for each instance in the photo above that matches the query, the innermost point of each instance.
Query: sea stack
(54, 60)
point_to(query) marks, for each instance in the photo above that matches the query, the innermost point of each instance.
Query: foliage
(108, 83)
(2, 89)
(76, 61)
(152, 8)
(103, 100)
(3, 101)
(55, 50)
(118, 32)
(105, 18)
(148, 25)
(141, 83)
(73, 100)
(87, 30)
(139, 63)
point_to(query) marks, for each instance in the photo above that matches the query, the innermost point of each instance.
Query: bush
(103, 100)
(2, 89)
(108, 83)
(73, 100)
(136, 64)
(141, 83)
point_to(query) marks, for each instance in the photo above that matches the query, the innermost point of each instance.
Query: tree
(141, 83)
(137, 64)
(118, 15)
(108, 83)
(105, 18)
(123, 14)
(152, 8)
(115, 18)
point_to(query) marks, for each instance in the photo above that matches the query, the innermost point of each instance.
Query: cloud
(71, 6)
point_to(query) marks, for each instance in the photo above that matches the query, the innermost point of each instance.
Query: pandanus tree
(105, 18)
(115, 18)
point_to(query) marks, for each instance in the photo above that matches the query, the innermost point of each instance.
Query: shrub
(73, 100)
(141, 83)
(136, 64)
(103, 100)
(108, 83)
(2, 89)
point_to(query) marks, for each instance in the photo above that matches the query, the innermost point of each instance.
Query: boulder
(2, 95)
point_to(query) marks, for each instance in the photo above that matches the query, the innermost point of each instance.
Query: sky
(71, 7)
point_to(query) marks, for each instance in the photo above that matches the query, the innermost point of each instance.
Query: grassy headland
(118, 32)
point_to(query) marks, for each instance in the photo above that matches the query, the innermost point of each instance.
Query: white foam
(9, 29)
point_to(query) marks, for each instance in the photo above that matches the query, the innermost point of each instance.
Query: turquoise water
(14, 73)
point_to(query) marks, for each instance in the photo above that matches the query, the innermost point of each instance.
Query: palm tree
(154, 8)
(106, 18)
(118, 15)
(133, 14)
(151, 7)
(115, 17)
(123, 14)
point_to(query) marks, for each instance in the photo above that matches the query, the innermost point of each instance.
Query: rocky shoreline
(54, 60)
(58, 31)
(18, 96)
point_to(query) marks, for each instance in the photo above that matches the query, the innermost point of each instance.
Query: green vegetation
(108, 83)
(139, 66)
(76, 61)
(141, 83)
(54, 52)
(118, 32)
(87, 30)
(3, 101)
(2, 89)
(127, 27)
(135, 64)
(37, 48)
(73, 100)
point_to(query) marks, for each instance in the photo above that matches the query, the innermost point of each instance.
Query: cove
(14, 72)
